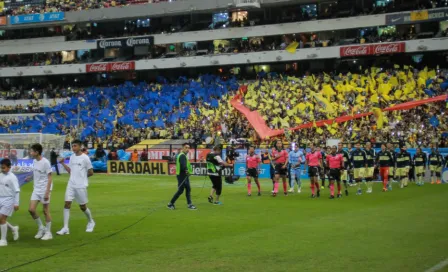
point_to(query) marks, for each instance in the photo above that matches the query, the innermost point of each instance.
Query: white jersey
(41, 170)
(79, 166)
(9, 185)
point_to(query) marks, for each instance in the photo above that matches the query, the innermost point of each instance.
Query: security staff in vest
(214, 166)
(183, 170)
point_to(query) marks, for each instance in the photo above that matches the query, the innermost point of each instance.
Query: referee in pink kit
(252, 162)
(314, 163)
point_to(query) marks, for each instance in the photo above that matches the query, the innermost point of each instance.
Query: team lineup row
(79, 169)
(337, 164)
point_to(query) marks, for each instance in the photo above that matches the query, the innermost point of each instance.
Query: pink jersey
(314, 158)
(252, 161)
(283, 156)
(335, 161)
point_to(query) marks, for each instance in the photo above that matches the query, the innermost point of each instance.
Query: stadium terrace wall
(25, 47)
(206, 35)
(22, 46)
(437, 44)
(25, 102)
(143, 10)
(152, 10)
(32, 41)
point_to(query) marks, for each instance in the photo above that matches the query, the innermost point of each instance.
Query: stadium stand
(124, 107)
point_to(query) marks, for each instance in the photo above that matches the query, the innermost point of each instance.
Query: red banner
(264, 131)
(171, 169)
(97, 68)
(372, 49)
(110, 67)
(356, 50)
(122, 66)
(388, 48)
(158, 154)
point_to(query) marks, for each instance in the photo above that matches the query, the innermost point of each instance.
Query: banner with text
(110, 67)
(126, 43)
(12, 154)
(372, 49)
(200, 169)
(158, 154)
(440, 14)
(37, 18)
(137, 168)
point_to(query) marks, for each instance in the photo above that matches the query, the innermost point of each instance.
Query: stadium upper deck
(137, 52)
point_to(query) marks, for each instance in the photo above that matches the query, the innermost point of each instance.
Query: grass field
(402, 230)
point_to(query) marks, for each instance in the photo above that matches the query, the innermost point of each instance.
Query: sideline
(438, 266)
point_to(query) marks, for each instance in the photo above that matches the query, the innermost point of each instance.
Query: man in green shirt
(183, 170)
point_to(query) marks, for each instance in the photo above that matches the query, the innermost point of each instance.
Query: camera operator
(231, 155)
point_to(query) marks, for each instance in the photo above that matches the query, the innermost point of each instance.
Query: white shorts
(6, 206)
(40, 197)
(78, 194)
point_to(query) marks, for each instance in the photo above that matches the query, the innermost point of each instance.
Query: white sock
(66, 218)
(9, 225)
(48, 227)
(4, 229)
(88, 215)
(39, 223)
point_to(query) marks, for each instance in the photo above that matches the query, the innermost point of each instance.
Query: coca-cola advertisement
(122, 66)
(372, 49)
(357, 50)
(388, 48)
(110, 67)
(97, 68)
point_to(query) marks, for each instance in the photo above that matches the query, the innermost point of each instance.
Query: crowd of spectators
(15, 109)
(284, 103)
(304, 40)
(295, 101)
(328, 11)
(34, 60)
(411, 127)
(74, 5)
(50, 92)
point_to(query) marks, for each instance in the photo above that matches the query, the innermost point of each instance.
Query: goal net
(15, 146)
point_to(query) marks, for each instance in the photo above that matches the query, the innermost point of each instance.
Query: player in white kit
(79, 168)
(43, 185)
(9, 200)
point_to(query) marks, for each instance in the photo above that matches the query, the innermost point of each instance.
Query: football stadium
(223, 135)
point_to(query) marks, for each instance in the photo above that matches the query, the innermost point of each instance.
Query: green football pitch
(401, 230)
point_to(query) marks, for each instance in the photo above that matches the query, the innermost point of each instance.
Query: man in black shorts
(314, 163)
(214, 166)
(280, 158)
(335, 163)
(252, 163)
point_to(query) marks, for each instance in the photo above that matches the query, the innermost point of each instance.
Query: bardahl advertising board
(137, 168)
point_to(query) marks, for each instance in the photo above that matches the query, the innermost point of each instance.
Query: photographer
(214, 165)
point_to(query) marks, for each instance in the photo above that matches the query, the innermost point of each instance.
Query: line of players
(79, 168)
(338, 165)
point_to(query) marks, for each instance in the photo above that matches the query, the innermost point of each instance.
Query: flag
(434, 121)
(323, 102)
(291, 48)
(379, 117)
